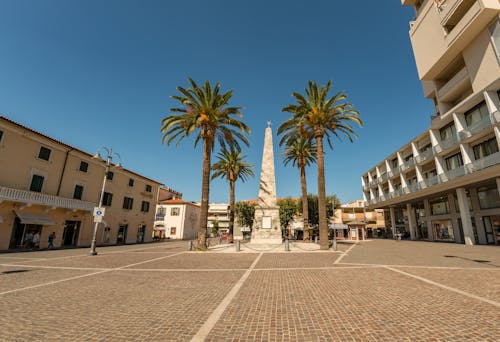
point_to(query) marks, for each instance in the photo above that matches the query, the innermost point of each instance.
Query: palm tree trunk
(305, 205)
(205, 191)
(323, 226)
(231, 209)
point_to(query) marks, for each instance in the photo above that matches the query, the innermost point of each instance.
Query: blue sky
(101, 73)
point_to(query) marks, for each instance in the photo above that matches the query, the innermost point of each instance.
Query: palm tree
(301, 152)
(205, 113)
(316, 116)
(231, 167)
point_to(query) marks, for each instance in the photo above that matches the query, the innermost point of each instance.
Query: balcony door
(121, 237)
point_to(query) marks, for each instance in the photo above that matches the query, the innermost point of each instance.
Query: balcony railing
(38, 198)
(451, 174)
(423, 156)
(483, 163)
(159, 217)
(446, 144)
(476, 127)
(495, 117)
(408, 164)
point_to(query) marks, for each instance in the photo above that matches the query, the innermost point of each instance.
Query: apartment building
(444, 184)
(353, 221)
(47, 186)
(177, 219)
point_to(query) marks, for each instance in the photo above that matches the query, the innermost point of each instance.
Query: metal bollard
(237, 245)
(315, 239)
(190, 245)
(334, 246)
(287, 246)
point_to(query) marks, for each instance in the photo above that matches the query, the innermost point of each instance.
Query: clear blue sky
(98, 73)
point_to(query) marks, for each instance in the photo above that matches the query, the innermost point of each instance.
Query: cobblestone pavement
(376, 290)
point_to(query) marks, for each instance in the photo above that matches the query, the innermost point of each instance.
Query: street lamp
(109, 158)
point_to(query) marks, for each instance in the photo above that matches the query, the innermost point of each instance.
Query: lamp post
(109, 158)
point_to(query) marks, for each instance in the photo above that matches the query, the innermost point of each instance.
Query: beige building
(353, 221)
(48, 186)
(177, 219)
(444, 184)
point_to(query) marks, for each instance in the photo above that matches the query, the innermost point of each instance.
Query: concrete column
(414, 150)
(412, 221)
(393, 221)
(497, 134)
(439, 165)
(492, 101)
(498, 185)
(454, 217)
(428, 222)
(467, 153)
(377, 171)
(481, 234)
(465, 216)
(433, 133)
(400, 159)
(460, 123)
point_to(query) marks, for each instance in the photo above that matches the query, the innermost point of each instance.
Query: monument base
(266, 241)
(266, 227)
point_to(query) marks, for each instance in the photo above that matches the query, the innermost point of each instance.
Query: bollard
(190, 245)
(237, 245)
(334, 246)
(315, 239)
(287, 246)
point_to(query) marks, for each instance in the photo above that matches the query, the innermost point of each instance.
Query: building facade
(47, 186)
(177, 219)
(444, 185)
(353, 221)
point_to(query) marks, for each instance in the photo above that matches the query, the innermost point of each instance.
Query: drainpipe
(63, 170)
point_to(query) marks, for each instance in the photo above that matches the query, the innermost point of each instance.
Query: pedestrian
(52, 237)
(28, 239)
(36, 240)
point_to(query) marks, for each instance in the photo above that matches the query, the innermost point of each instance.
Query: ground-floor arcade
(468, 215)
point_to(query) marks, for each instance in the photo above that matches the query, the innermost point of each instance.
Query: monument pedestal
(266, 227)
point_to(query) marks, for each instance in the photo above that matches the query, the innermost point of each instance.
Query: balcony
(463, 24)
(38, 198)
(408, 164)
(159, 217)
(483, 163)
(451, 174)
(475, 128)
(423, 156)
(455, 86)
(446, 144)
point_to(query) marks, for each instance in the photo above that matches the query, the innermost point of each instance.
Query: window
(488, 197)
(1, 135)
(440, 206)
(148, 188)
(394, 163)
(44, 153)
(145, 206)
(130, 182)
(425, 148)
(495, 37)
(485, 148)
(409, 157)
(448, 132)
(36, 183)
(77, 194)
(110, 175)
(107, 198)
(128, 202)
(174, 211)
(160, 213)
(173, 230)
(476, 114)
(454, 161)
(84, 166)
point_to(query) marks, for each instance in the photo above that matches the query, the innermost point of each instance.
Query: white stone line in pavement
(424, 267)
(29, 259)
(463, 293)
(83, 276)
(344, 254)
(59, 267)
(217, 313)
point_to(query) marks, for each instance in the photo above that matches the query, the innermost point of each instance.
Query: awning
(356, 223)
(30, 218)
(337, 226)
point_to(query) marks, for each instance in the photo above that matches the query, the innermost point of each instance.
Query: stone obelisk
(266, 227)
